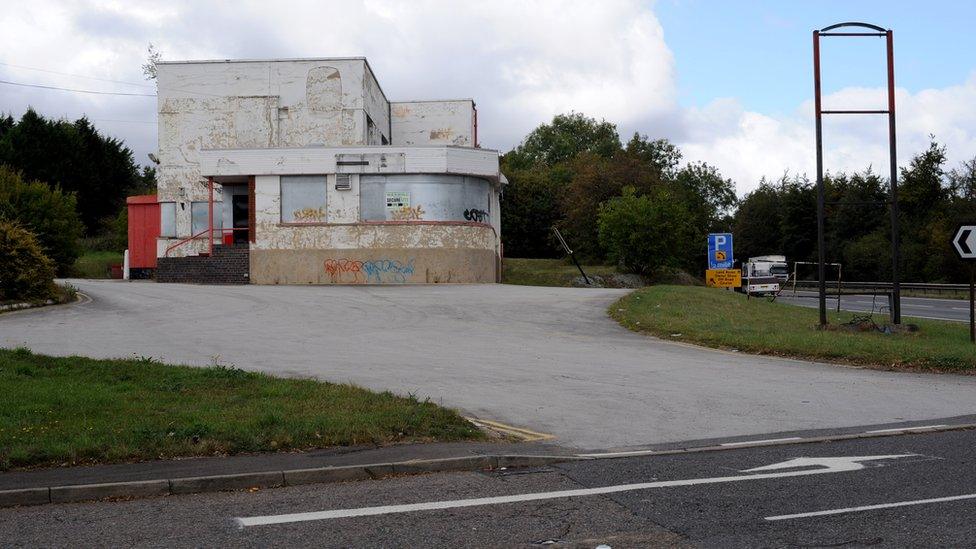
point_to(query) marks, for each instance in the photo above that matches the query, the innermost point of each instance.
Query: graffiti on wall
(309, 215)
(406, 213)
(374, 271)
(480, 216)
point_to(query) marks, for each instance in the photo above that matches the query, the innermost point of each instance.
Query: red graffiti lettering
(345, 271)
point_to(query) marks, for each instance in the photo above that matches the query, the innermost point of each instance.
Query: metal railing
(887, 286)
(201, 234)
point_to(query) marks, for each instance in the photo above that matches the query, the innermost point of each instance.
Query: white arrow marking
(808, 466)
(872, 507)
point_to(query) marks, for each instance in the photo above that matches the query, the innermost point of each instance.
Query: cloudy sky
(731, 82)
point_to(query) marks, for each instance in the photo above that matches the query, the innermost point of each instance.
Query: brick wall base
(227, 265)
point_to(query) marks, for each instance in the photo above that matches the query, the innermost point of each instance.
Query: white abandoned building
(303, 172)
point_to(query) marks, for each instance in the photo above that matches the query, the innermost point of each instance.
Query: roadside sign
(720, 251)
(723, 278)
(964, 241)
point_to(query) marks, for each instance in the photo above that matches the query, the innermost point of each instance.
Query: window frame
(322, 210)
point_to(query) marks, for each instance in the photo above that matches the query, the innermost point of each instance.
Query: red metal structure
(860, 29)
(143, 229)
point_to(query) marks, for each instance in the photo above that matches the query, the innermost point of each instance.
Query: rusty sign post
(859, 29)
(569, 251)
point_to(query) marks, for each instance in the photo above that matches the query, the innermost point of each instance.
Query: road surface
(903, 491)
(919, 307)
(548, 359)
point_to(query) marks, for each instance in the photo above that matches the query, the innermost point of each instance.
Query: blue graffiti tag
(387, 270)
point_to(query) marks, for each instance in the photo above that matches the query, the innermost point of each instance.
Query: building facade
(306, 168)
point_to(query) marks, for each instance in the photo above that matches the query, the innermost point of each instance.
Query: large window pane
(303, 198)
(199, 214)
(167, 219)
(424, 197)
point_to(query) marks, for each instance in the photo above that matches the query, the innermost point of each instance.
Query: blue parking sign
(720, 251)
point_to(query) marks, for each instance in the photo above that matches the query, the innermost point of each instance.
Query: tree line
(781, 217)
(636, 205)
(631, 203)
(66, 183)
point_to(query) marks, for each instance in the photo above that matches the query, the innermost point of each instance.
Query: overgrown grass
(61, 411)
(717, 318)
(95, 264)
(547, 272)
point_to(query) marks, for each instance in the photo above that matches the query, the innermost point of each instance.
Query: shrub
(647, 233)
(48, 213)
(25, 272)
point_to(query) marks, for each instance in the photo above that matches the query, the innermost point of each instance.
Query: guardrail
(886, 286)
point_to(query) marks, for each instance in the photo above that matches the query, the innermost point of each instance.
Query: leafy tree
(6, 122)
(594, 180)
(660, 153)
(25, 272)
(47, 213)
(530, 208)
(153, 57)
(645, 233)
(756, 224)
(962, 183)
(75, 157)
(566, 137)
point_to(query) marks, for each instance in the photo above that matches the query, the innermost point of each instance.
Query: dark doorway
(240, 210)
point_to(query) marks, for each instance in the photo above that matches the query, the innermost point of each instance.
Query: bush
(48, 213)
(647, 233)
(25, 272)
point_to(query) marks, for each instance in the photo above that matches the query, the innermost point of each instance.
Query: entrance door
(239, 211)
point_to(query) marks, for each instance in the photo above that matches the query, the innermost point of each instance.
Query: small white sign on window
(397, 200)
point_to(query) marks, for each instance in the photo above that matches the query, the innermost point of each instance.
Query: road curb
(348, 473)
(266, 479)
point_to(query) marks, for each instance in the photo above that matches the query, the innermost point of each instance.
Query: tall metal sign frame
(846, 30)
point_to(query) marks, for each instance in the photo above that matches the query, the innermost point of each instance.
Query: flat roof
(279, 60)
(284, 60)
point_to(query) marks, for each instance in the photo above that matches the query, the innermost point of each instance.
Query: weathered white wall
(378, 109)
(256, 104)
(433, 122)
(319, 160)
(342, 206)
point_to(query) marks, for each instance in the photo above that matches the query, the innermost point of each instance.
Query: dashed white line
(897, 429)
(872, 507)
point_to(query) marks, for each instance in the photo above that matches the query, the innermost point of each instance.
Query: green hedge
(25, 272)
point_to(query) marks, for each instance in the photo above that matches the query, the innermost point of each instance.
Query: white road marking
(628, 453)
(808, 466)
(872, 507)
(768, 440)
(897, 429)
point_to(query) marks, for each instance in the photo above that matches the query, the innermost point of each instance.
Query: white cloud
(748, 145)
(522, 61)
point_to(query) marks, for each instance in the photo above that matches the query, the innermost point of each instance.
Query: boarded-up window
(167, 219)
(199, 215)
(425, 197)
(303, 198)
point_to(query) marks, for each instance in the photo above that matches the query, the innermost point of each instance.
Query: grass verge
(95, 264)
(547, 272)
(65, 411)
(717, 318)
